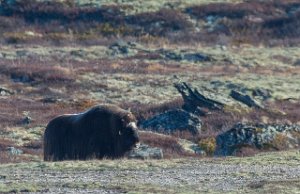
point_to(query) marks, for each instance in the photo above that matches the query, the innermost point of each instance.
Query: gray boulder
(196, 57)
(258, 136)
(173, 120)
(146, 152)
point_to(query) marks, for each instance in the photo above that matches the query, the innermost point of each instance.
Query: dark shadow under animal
(102, 131)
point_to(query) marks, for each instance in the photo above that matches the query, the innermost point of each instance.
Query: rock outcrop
(173, 120)
(260, 136)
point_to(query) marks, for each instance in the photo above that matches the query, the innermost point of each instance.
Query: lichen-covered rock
(184, 56)
(172, 121)
(14, 151)
(259, 136)
(5, 92)
(146, 152)
(122, 48)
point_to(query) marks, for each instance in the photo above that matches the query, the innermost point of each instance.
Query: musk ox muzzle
(102, 131)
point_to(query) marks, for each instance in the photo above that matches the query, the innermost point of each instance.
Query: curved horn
(132, 125)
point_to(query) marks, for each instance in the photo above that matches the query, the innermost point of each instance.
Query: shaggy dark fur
(102, 131)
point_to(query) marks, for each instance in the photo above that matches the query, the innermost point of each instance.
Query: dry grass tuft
(84, 104)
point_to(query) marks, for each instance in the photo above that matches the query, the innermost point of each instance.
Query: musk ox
(102, 131)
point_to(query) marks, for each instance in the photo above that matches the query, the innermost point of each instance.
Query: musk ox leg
(52, 152)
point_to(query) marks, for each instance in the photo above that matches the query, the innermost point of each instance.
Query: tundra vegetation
(65, 56)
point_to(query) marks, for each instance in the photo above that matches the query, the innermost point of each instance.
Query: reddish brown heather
(169, 144)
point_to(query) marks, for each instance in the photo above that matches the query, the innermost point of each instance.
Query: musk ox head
(128, 133)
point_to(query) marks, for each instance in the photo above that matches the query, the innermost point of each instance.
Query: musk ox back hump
(102, 131)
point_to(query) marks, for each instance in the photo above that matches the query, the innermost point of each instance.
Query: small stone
(49, 100)
(27, 120)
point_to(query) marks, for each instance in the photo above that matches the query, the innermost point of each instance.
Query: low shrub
(280, 142)
(159, 23)
(208, 144)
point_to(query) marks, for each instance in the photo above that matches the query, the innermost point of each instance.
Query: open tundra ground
(276, 172)
(61, 57)
(39, 83)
